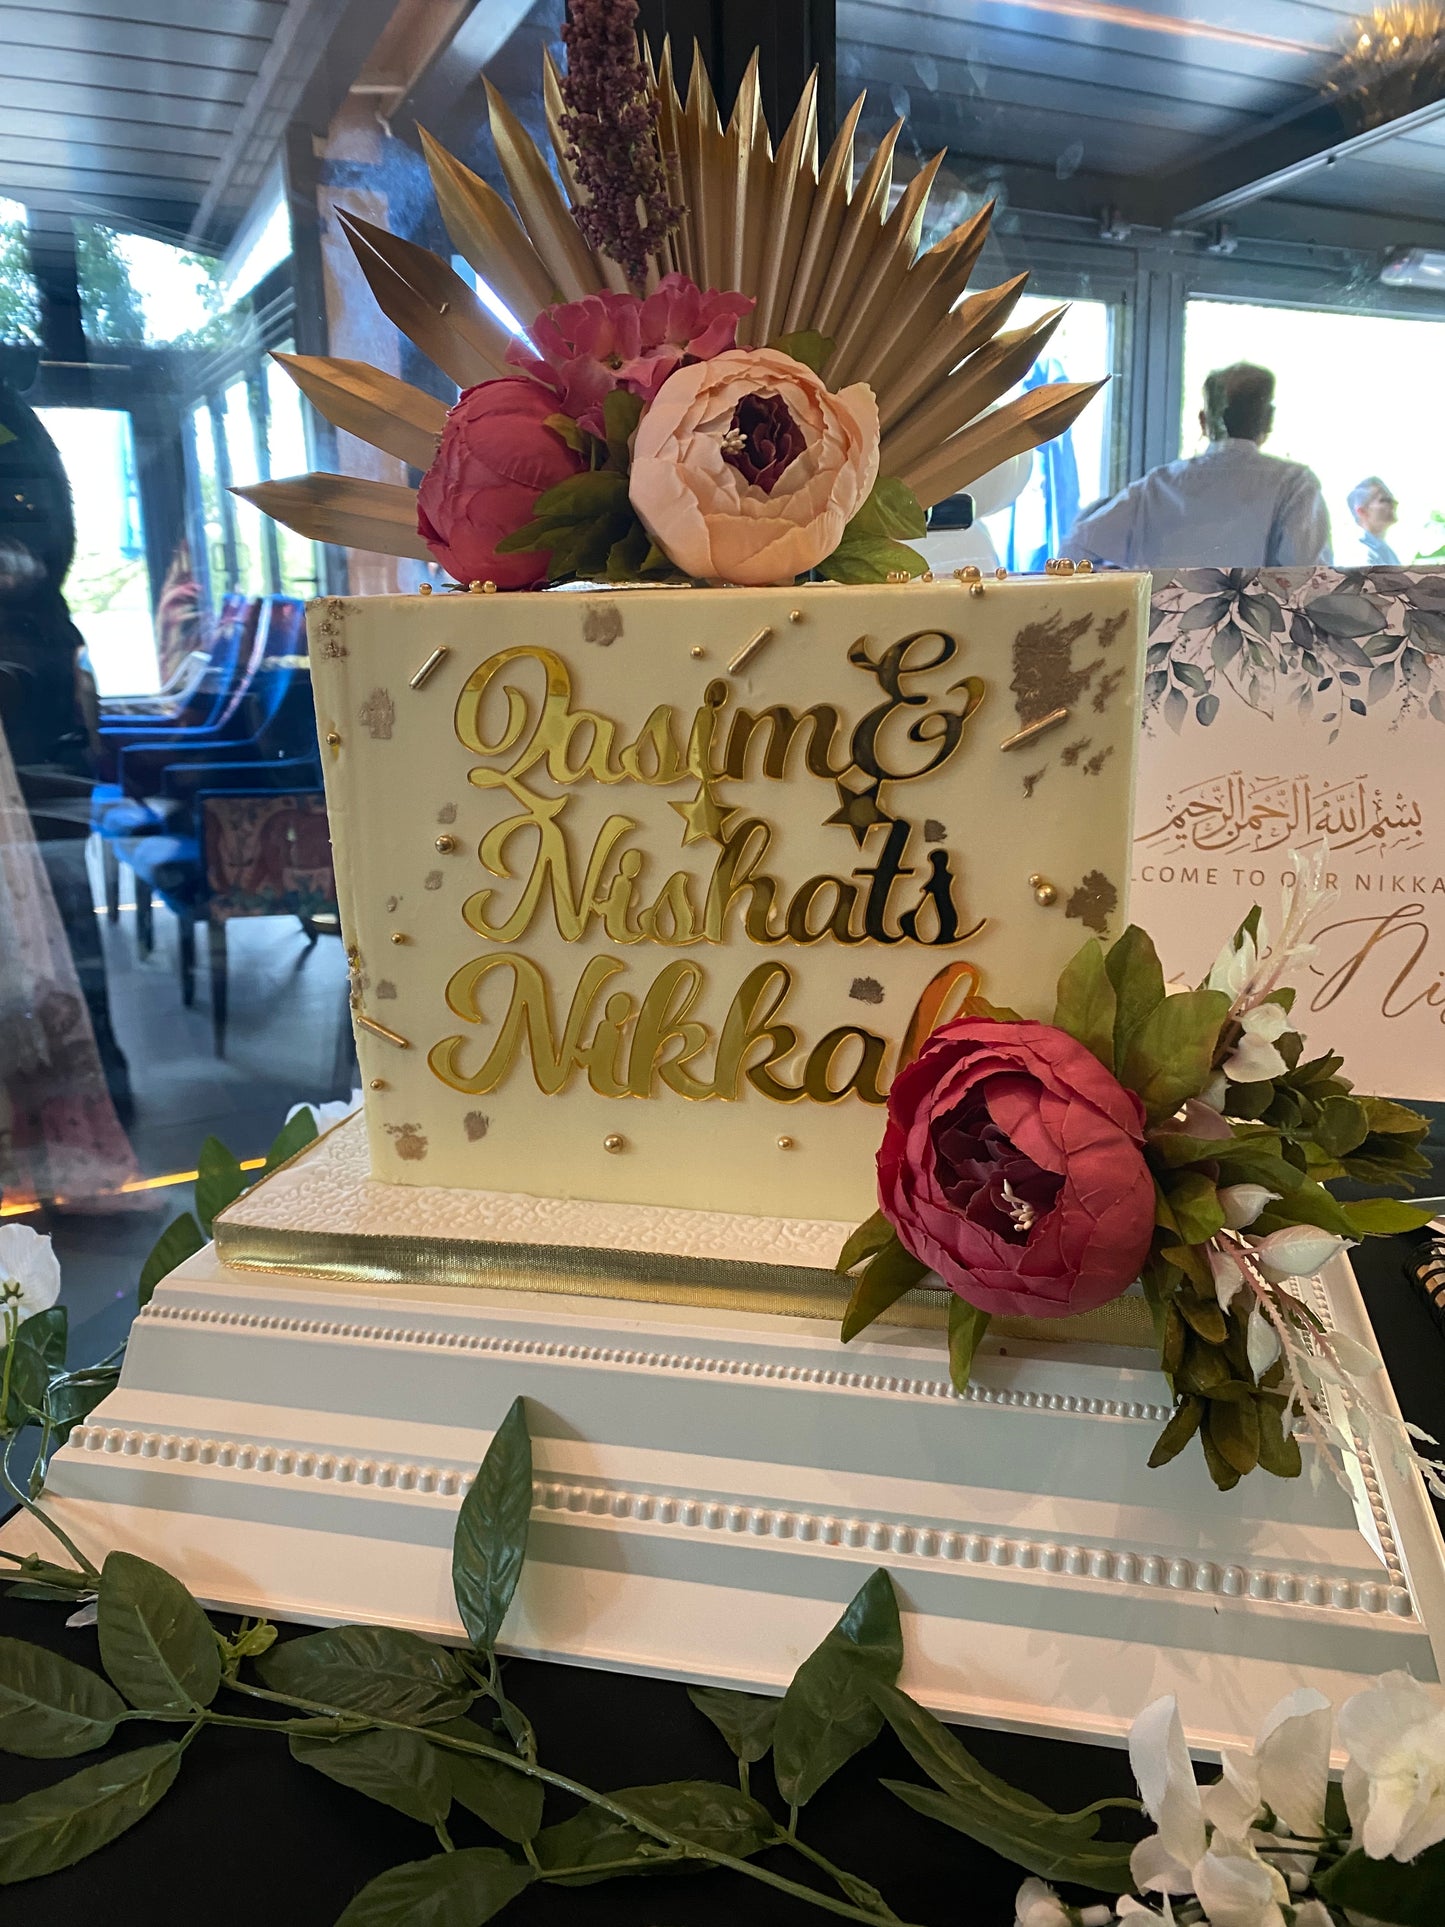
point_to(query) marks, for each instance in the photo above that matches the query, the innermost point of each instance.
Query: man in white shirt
(1231, 507)
(1376, 512)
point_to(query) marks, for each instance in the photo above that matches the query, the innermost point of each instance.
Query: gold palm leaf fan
(815, 248)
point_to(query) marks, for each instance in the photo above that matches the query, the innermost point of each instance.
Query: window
(19, 298)
(137, 290)
(1358, 394)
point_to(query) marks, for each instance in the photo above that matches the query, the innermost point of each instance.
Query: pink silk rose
(496, 457)
(1012, 1165)
(747, 469)
(585, 349)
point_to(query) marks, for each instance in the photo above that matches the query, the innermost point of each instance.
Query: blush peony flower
(496, 457)
(585, 349)
(746, 469)
(1012, 1166)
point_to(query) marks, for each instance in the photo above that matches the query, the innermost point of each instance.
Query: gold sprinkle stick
(749, 650)
(1027, 734)
(433, 662)
(380, 1030)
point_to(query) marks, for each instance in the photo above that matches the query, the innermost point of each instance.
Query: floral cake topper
(737, 362)
(1179, 1138)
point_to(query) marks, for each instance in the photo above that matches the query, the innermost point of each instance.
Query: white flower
(1160, 1759)
(1236, 1888)
(1227, 1273)
(1242, 1203)
(29, 1274)
(1254, 1056)
(1261, 1342)
(328, 1114)
(1037, 1905)
(1234, 966)
(1298, 1251)
(1394, 1733)
(1314, 1913)
(1287, 1771)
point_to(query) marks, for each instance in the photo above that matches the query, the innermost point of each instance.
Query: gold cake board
(321, 1215)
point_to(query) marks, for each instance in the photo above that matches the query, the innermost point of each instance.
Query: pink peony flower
(496, 457)
(747, 469)
(585, 349)
(1012, 1166)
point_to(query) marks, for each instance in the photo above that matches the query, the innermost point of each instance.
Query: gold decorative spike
(380, 1030)
(429, 668)
(539, 203)
(748, 164)
(749, 650)
(862, 226)
(794, 183)
(1031, 730)
(487, 234)
(825, 224)
(670, 132)
(340, 509)
(988, 373)
(376, 407)
(881, 286)
(1022, 423)
(923, 364)
(430, 303)
(702, 176)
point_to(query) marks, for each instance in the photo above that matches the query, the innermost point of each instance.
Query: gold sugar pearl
(489, 588)
(614, 1142)
(398, 936)
(1083, 568)
(474, 588)
(795, 615)
(785, 1143)
(696, 650)
(1001, 575)
(333, 738)
(898, 575)
(975, 588)
(1044, 891)
(425, 589)
(446, 844)
(377, 1083)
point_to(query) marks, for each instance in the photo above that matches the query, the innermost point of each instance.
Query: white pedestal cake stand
(713, 1484)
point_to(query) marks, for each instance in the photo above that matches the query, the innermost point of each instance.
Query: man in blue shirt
(1231, 507)
(1376, 512)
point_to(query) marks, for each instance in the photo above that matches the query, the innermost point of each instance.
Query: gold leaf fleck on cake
(1031, 781)
(329, 630)
(1044, 677)
(391, 904)
(1104, 692)
(933, 830)
(475, 1125)
(602, 624)
(1070, 755)
(410, 1143)
(1110, 627)
(447, 813)
(386, 988)
(376, 716)
(866, 990)
(1094, 902)
(433, 880)
(1097, 761)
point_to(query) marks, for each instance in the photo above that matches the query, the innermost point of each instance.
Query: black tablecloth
(247, 1835)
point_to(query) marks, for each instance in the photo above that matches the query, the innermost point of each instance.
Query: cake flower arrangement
(1178, 1137)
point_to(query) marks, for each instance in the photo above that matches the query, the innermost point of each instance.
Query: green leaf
(219, 1181)
(1138, 979)
(1087, 1006)
(568, 431)
(1406, 1893)
(891, 510)
(1386, 1217)
(62, 1824)
(50, 1708)
(1202, 1315)
(870, 1236)
(508, 1801)
(155, 1642)
(827, 1713)
(621, 412)
(1195, 1207)
(806, 345)
(745, 1720)
(1178, 1432)
(294, 1135)
(461, 1889)
(1279, 1451)
(946, 1760)
(75, 1398)
(370, 1669)
(399, 1769)
(181, 1239)
(1308, 1203)
(1053, 1853)
(889, 1273)
(490, 1542)
(711, 1815)
(30, 1368)
(966, 1326)
(1232, 1426)
(1346, 617)
(870, 558)
(1169, 1056)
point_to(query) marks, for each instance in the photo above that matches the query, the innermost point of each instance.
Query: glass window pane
(19, 298)
(135, 289)
(244, 465)
(286, 444)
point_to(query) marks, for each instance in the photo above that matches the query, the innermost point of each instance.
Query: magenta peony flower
(496, 457)
(585, 349)
(1012, 1166)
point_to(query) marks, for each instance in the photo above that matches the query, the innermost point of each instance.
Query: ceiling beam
(1279, 156)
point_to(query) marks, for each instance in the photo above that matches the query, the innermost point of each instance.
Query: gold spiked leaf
(917, 365)
(343, 510)
(430, 303)
(1023, 423)
(488, 235)
(375, 407)
(988, 373)
(538, 201)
